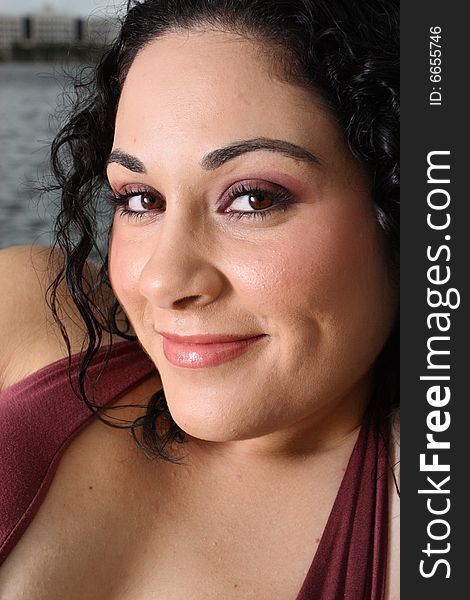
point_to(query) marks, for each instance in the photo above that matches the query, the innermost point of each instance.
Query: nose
(180, 271)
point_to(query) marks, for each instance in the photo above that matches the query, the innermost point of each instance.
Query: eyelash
(282, 199)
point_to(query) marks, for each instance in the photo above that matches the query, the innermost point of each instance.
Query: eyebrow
(128, 161)
(216, 158)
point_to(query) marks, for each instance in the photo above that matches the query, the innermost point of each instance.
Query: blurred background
(42, 44)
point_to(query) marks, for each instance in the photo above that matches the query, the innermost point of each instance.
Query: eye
(254, 201)
(141, 202)
(137, 203)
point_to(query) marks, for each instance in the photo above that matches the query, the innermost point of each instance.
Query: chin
(214, 423)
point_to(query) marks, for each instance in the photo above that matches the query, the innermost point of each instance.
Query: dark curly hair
(346, 52)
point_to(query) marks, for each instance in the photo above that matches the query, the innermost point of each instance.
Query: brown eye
(252, 201)
(257, 201)
(260, 200)
(143, 202)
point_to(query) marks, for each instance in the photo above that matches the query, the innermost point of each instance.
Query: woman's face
(298, 260)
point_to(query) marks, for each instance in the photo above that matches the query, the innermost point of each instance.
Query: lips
(201, 351)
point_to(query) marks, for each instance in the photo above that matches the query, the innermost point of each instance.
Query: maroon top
(40, 415)
(350, 562)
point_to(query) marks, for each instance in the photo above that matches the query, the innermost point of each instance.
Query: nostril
(182, 302)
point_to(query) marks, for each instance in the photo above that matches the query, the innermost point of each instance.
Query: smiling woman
(249, 151)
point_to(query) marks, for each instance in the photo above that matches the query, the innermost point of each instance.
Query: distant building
(11, 30)
(50, 27)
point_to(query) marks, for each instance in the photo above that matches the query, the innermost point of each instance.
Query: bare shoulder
(29, 336)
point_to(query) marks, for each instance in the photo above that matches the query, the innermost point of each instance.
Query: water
(29, 97)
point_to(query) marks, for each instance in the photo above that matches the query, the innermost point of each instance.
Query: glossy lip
(206, 338)
(205, 350)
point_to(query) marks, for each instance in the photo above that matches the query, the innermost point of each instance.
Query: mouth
(202, 351)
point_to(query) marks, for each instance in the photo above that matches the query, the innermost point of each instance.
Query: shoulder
(22, 316)
(29, 336)
(20, 268)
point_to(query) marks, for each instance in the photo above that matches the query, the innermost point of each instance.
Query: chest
(122, 555)
(107, 532)
(121, 562)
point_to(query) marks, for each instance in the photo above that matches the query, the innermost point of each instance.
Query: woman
(250, 149)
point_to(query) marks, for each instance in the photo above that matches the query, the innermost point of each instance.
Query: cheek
(126, 260)
(317, 269)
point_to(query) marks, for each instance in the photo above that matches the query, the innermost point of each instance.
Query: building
(12, 29)
(49, 27)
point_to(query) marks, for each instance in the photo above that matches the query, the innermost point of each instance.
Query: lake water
(29, 97)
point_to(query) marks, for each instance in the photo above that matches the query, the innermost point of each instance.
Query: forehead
(198, 86)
